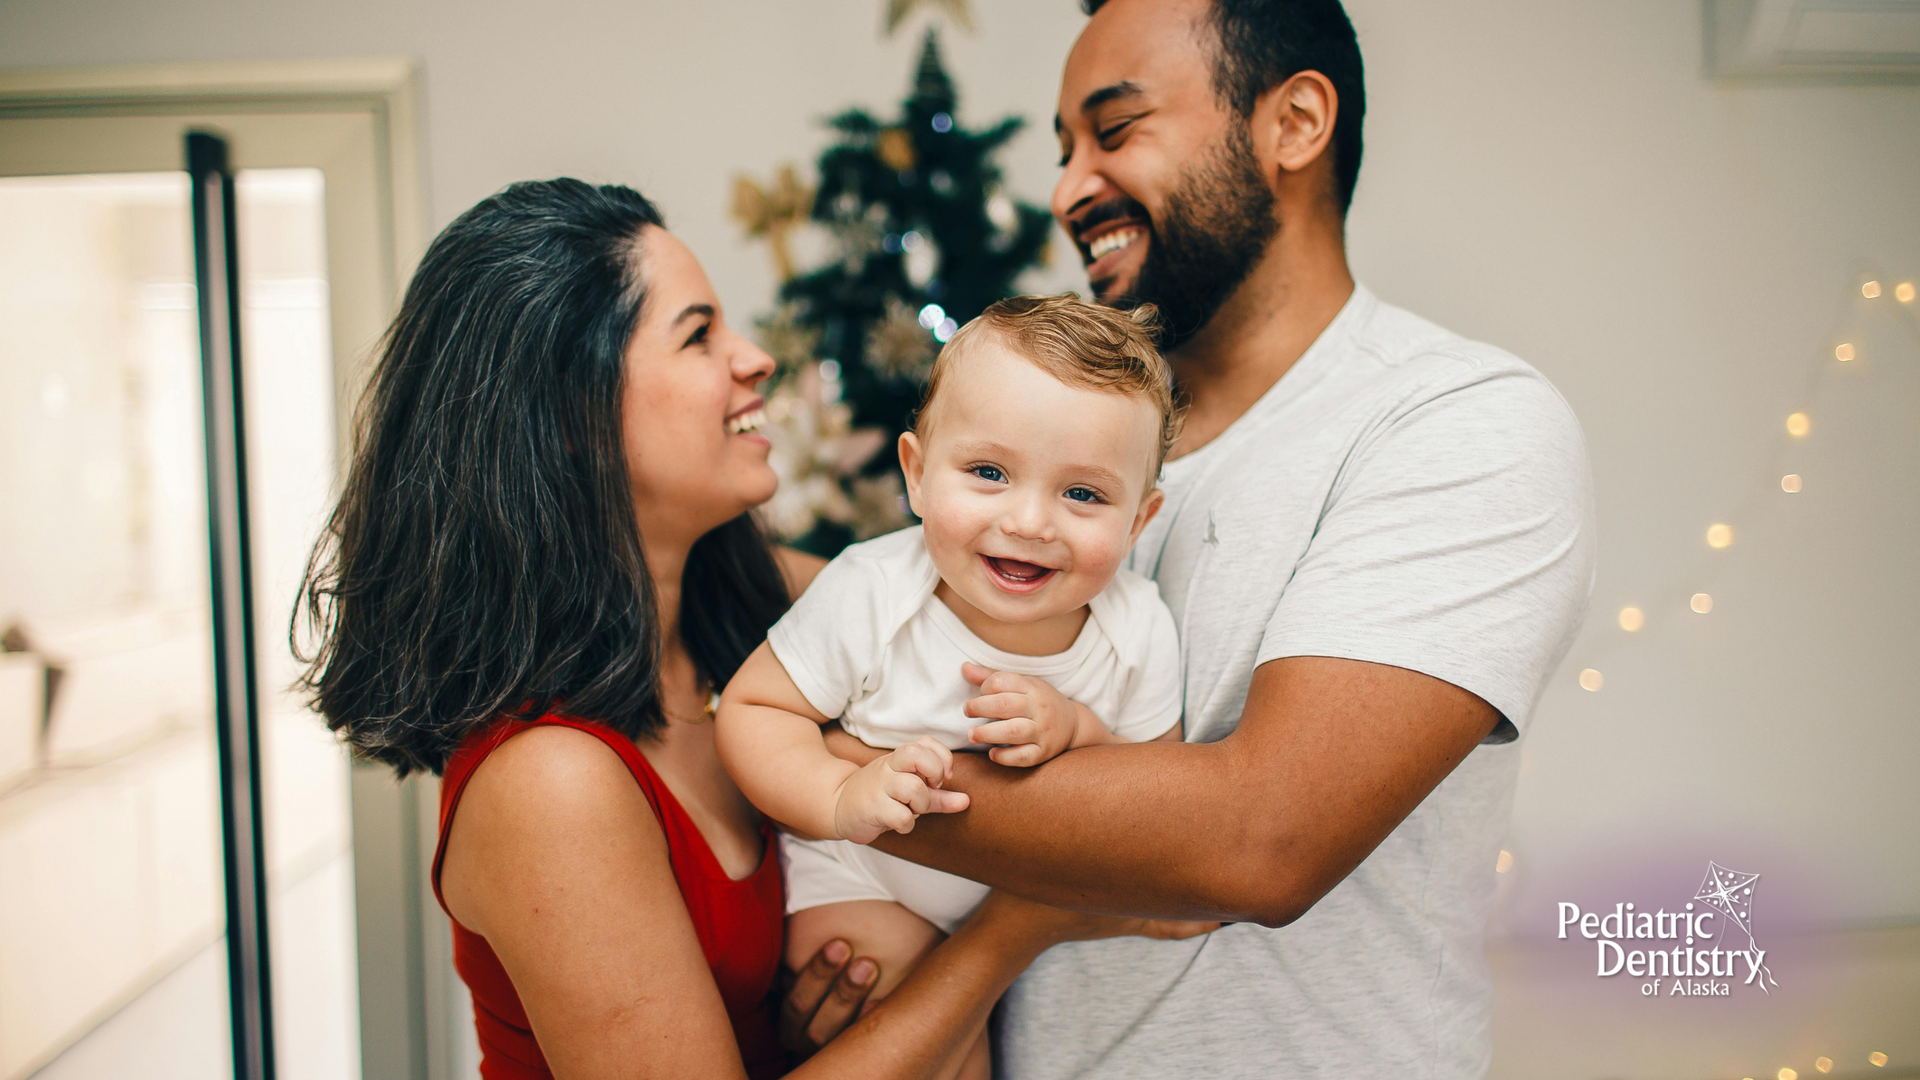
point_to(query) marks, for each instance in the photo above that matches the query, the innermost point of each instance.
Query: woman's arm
(927, 1026)
(556, 859)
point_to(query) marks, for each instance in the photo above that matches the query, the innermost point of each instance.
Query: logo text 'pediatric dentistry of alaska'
(1687, 946)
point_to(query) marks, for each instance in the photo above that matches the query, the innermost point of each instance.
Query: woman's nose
(751, 364)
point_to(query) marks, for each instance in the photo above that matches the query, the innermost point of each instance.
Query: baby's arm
(769, 739)
(1031, 722)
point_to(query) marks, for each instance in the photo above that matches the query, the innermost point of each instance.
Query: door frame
(407, 988)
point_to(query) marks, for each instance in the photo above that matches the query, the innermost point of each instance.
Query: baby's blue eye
(989, 473)
(1083, 495)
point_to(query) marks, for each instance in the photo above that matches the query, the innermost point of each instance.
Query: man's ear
(913, 466)
(1292, 125)
(1149, 506)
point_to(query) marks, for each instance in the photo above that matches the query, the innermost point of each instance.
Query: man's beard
(1214, 229)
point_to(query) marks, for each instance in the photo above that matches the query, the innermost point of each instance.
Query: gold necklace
(706, 714)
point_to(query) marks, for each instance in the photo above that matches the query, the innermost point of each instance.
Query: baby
(1003, 621)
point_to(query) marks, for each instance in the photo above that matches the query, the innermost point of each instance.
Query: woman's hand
(823, 1002)
(826, 996)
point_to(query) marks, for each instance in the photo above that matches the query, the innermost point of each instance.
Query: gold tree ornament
(899, 11)
(895, 147)
(773, 212)
(789, 340)
(898, 345)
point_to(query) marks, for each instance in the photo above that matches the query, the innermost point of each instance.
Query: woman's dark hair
(1263, 43)
(484, 559)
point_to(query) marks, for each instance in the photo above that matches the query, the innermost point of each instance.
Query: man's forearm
(1329, 757)
(1122, 829)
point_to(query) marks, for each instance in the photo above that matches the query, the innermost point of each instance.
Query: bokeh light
(1870, 290)
(1632, 619)
(1799, 424)
(1844, 352)
(1790, 483)
(1591, 680)
(1719, 536)
(1701, 603)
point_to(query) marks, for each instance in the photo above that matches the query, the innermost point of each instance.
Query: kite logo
(1690, 952)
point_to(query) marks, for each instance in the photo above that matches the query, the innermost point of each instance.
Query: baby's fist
(1029, 721)
(890, 792)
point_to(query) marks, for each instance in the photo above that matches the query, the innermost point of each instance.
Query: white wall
(1557, 178)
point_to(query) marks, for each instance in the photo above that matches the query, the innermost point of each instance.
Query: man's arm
(1329, 756)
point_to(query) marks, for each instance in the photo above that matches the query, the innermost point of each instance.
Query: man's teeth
(747, 421)
(1114, 241)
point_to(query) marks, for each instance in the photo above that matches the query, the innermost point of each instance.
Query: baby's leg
(881, 929)
(892, 936)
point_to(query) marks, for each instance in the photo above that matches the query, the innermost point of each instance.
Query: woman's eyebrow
(690, 311)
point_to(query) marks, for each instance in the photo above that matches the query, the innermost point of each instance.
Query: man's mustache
(1115, 209)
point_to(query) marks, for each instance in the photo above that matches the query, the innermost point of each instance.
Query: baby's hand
(891, 791)
(1031, 721)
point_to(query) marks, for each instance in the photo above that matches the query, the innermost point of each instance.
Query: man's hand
(889, 793)
(826, 996)
(1031, 722)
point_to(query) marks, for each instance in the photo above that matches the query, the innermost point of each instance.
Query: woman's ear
(912, 466)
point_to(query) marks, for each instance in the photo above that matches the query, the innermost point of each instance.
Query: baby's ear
(912, 466)
(1150, 504)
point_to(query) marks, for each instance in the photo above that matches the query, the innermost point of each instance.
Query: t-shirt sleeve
(1155, 699)
(1456, 542)
(828, 641)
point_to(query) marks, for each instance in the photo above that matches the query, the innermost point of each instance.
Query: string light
(1719, 536)
(1701, 603)
(1591, 680)
(1903, 292)
(1843, 352)
(1790, 483)
(1632, 619)
(1824, 1064)
(1799, 424)
(1870, 290)
(1504, 863)
(1787, 1074)
(1877, 1059)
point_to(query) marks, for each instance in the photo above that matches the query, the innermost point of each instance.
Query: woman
(542, 568)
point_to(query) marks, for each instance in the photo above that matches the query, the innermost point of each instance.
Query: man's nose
(1079, 186)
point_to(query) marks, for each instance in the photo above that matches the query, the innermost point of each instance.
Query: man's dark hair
(1263, 43)
(483, 559)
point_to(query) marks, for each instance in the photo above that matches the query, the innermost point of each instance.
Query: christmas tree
(926, 238)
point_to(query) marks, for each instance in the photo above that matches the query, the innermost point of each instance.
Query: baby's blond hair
(1078, 343)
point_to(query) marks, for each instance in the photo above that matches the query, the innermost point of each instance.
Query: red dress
(739, 923)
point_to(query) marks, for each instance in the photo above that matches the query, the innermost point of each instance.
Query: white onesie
(869, 643)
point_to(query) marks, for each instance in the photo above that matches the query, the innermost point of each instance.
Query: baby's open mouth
(1015, 575)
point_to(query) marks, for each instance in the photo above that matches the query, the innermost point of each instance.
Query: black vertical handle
(236, 712)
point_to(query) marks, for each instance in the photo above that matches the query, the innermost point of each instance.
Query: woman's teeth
(747, 421)
(1114, 241)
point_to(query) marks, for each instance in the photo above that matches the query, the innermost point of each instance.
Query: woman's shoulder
(799, 568)
(553, 778)
(552, 796)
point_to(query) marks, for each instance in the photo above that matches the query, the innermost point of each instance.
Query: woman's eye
(1083, 495)
(989, 473)
(699, 336)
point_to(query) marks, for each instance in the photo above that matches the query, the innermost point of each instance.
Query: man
(1377, 542)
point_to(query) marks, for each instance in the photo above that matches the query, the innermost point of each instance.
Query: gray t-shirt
(1402, 496)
